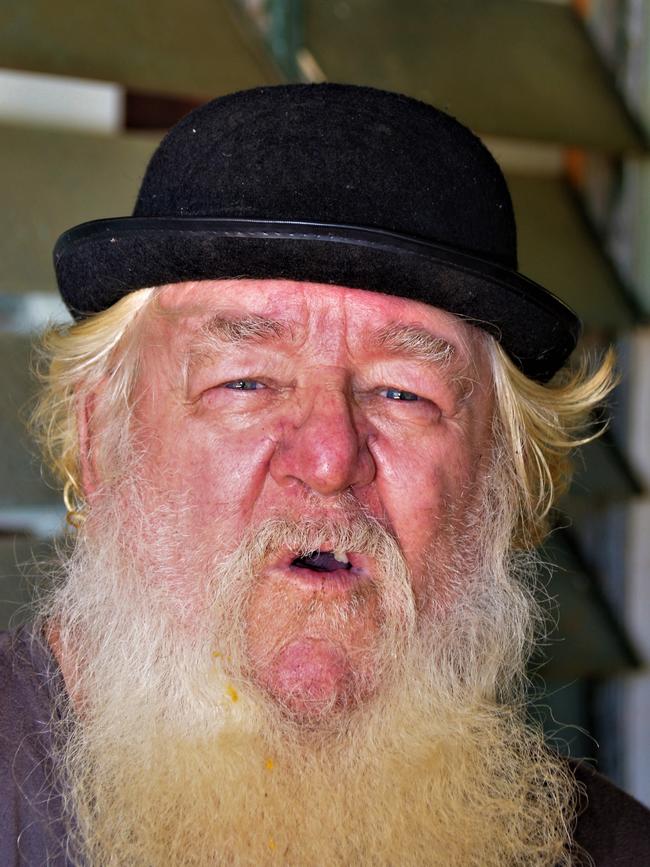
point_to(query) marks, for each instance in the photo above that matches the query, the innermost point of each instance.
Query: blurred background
(560, 92)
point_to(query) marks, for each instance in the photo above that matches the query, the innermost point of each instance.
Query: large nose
(327, 449)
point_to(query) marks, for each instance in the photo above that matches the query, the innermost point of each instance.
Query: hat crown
(326, 183)
(337, 154)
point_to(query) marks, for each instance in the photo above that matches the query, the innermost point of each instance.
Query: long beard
(175, 753)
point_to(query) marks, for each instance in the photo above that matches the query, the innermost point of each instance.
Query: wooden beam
(505, 67)
(200, 49)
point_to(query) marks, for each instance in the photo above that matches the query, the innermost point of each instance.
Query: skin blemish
(232, 693)
(271, 843)
(269, 764)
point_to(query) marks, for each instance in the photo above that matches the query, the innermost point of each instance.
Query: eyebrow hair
(229, 330)
(420, 344)
(225, 329)
(415, 342)
(250, 328)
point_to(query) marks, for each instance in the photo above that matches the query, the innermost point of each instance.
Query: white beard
(175, 754)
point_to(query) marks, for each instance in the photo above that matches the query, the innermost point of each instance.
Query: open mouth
(323, 561)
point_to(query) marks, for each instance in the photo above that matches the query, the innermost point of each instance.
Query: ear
(90, 480)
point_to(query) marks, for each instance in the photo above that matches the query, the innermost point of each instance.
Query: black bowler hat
(326, 183)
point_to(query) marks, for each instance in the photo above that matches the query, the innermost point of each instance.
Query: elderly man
(310, 422)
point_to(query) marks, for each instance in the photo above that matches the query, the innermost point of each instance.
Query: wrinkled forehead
(299, 311)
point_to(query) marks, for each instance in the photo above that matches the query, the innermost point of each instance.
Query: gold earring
(74, 504)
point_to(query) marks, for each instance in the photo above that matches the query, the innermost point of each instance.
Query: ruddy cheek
(227, 474)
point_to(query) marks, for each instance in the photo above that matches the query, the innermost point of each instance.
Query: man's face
(259, 400)
(246, 700)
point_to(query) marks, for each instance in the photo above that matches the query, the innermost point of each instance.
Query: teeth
(341, 556)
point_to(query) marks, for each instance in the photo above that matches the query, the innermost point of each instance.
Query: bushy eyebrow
(413, 342)
(223, 330)
(250, 328)
(421, 345)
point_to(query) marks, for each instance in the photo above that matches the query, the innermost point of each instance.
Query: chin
(313, 679)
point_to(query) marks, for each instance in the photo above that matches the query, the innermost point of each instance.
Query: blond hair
(71, 361)
(539, 425)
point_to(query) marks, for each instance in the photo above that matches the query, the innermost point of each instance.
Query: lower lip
(340, 580)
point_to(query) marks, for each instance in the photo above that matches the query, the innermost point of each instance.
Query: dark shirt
(31, 830)
(612, 827)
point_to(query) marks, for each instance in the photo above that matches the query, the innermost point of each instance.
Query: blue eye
(400, 394)
(244, 384)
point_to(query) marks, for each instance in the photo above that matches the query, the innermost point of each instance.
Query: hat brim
(97, 263)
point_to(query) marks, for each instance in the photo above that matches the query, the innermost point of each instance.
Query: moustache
(321, 542)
